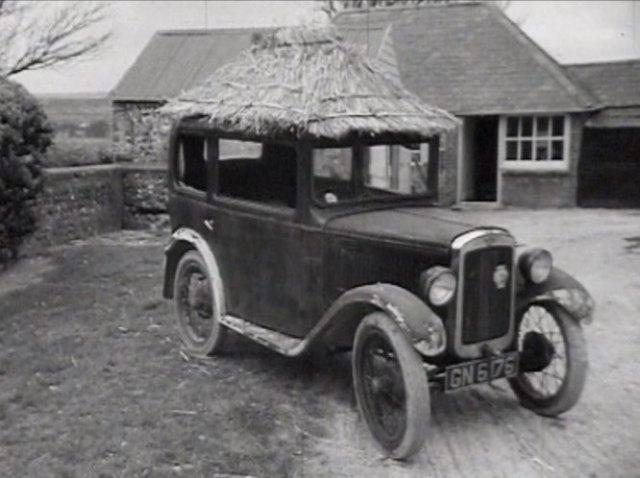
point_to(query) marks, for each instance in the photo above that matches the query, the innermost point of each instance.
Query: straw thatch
(308, 83)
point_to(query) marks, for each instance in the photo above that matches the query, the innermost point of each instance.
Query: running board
(281, 343)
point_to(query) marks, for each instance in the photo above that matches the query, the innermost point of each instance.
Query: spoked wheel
(391, 386)
(553, 360)
(198, 323)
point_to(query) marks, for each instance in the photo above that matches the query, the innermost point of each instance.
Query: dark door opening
(485, 158)
(609, 168)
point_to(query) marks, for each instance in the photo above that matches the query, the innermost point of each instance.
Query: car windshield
(359, 173)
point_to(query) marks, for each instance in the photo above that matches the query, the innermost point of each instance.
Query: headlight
(535, 265)
(438, 285)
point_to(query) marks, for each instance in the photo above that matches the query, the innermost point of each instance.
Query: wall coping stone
(81, 169)
(104, 167)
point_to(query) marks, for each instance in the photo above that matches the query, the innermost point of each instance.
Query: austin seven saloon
(338, 246)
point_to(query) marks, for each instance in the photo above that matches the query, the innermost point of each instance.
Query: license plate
(480, 371)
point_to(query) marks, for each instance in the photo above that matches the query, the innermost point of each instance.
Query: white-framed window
(535, 142)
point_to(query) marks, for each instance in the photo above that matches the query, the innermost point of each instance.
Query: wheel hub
(537, 352)
(200, 298)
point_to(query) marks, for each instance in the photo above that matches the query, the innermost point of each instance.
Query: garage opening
(609, 168)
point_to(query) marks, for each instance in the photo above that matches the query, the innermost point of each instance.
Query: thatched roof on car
(308, 83)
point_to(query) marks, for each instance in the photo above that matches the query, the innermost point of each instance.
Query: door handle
(208, 223)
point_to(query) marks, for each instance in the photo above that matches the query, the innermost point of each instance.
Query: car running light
(535, 265)
(438, 285)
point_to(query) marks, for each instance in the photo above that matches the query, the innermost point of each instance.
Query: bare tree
(37, 34)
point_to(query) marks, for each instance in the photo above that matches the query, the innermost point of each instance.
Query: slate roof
(177, 60)
(615, 83)
(617, 86)
(469, 58)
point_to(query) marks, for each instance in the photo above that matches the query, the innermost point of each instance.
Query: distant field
(78, 115)
(76, 108)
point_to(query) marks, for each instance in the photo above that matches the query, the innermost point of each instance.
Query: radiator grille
(486, 303)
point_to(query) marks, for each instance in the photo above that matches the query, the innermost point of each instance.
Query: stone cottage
(524, 117)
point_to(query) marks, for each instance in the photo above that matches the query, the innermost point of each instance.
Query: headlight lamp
(535, 265)
(438, 285)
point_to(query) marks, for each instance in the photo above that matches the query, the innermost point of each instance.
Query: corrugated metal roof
(469, 58)
(174, 61)
(615, 83)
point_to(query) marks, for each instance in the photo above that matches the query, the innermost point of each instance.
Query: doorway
(479, 165)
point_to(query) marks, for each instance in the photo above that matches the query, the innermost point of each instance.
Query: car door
(255, 234)
(188, 206)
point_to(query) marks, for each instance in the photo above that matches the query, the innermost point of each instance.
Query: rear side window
(264, 173)
(191, 162)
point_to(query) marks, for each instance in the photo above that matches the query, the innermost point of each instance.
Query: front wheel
(391, 386)
(198, 321)
(553, 360)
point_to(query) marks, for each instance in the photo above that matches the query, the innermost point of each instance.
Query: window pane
(234, 149)
(512, 150)
(557, 150)
(400, 169)
(332, 174)
(542, 150)
(512, 127)
(558, 126)
(527, 126)
(192, 166)
(419, 166)
(542, 127)
(379, 168)
(332, 163)
(270, 178)
(525, 150)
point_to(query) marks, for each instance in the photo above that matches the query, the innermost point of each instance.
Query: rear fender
(183, 240)
(421, 325)
(564, 290)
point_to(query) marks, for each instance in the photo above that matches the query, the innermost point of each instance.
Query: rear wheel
(198, 321)
(391, 386)
(553, 360)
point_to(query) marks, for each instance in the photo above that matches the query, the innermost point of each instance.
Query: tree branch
(31, 40)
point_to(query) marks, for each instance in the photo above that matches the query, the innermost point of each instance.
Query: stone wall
(145, 197)
(139, 132)
(85, 201)
(77, 202)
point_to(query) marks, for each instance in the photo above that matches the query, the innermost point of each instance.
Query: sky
(571, 31)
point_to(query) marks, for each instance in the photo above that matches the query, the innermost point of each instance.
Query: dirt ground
(93, 381)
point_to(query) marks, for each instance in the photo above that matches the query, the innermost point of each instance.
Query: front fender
(563, 289)
(422, 326)
(183, 240)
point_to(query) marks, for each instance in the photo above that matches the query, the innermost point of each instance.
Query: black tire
(198, 321)
(388, 376)
(528, 386)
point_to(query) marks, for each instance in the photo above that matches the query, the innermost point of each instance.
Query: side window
(260, 172)
(191, 162)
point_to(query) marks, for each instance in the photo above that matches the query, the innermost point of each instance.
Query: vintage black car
(299, 247)
(305, 241)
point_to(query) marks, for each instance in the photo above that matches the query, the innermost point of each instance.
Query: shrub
(25, 135)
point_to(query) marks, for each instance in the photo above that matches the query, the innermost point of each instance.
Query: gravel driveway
(94, 382)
